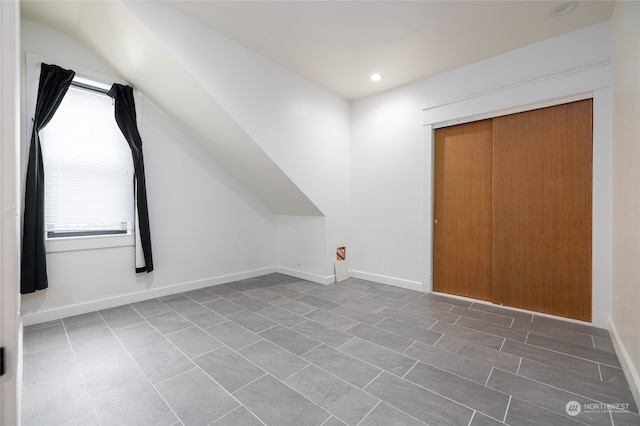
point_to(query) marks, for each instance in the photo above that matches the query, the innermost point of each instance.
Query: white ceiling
(339, 44)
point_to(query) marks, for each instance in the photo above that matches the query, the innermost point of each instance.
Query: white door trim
(10, 323)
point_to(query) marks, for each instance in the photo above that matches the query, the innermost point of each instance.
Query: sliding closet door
(542, 172)
(462, 210)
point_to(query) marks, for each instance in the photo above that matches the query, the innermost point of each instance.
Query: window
(88, 168)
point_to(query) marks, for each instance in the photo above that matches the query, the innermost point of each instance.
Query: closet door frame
(564, 88)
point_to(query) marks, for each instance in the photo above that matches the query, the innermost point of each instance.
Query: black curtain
(125, 112)
(54, 83)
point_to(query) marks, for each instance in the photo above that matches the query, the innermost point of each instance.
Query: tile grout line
(420, 317)
(504, 419)
(472, 417)
(240, 402)
(489, 314)
(363, 388)
(466, 358)
(453, 373)
(554, 336)
(234, 410)
(414, 366)
(379, 346)
(153, 385)
(329, 418)
(448, 397)
(66, 334)
(182, 373)
(437, 341)
(487, 321)
(411, 345)
(488, 377)
(350, 340)
(481, 322)
(502, 345)
(424, 315)
(79, 370)
(389, 332)
(304, 396)
(554, 366)
(298, 371)
(369, 412)
(370, 381)
(266, 373)
(600, 372)
(573, 356)
(482, 333)
(353, 357)
(261, 331)
(560, 389)
(306, 352)
(269, 341)
(386, 402)
(374, 325)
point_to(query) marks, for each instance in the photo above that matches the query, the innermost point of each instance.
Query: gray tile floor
(278, 351)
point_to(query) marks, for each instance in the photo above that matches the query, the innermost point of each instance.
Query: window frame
(32, 75)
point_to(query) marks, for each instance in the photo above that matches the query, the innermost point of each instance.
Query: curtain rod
(89, 87)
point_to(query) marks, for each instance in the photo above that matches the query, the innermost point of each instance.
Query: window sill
(55, 245)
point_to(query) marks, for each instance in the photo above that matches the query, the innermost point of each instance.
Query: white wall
(386, 185)
(302, 127)
(392, 157)
(625, 317)
(205, 227)
(304, 257)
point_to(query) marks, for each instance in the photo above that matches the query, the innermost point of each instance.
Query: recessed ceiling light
(563, 8)
(376, 77)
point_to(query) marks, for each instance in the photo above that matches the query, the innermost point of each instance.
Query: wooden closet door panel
(542, 165)
(462, 210)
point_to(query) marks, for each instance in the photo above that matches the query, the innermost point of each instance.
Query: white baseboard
(382, 279)
(629, 369)
(329, 279)
(112, 302)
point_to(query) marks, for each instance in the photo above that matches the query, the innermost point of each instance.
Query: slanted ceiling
(337, 44)
(124, 44)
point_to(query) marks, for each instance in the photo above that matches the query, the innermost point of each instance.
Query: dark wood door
(462, 210)
(542, 180)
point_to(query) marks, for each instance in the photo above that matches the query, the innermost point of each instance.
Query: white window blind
(88, 168)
